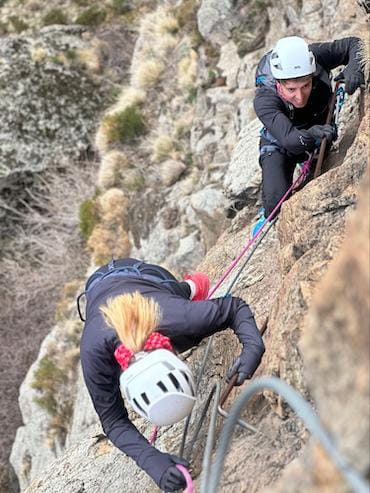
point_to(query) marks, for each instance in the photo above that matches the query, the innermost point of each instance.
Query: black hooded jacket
(286, 123)
(185, 322)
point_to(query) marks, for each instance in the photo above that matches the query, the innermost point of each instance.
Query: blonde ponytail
(133, 317)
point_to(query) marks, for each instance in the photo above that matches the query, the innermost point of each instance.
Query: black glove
(319, 132)
(237, 368)
(173, 479)
(352, 80)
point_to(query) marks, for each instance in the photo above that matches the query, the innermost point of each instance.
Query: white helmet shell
(159, 386)
(291, 58)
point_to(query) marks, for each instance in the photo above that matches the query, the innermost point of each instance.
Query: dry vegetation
(46, 251)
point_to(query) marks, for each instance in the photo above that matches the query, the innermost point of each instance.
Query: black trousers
(277, 177)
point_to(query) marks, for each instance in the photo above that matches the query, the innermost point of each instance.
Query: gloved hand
(319, 132)
(173, 479)
(237, 368)
(352, 80)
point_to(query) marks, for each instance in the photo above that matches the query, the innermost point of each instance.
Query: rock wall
(183, 222)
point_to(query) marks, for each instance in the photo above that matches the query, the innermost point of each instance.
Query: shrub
(167, 23)
(3, 28)
(192, 94)
(120, 6)
(88, 215)
(93, 16)
(54, 16)
(48, 403)
(133, 180)
(47, 375)
(187, 70)
(163, 147)
(107, 242)
(111, 167)
(18, 24)
(186, 13)
(129, 96)
(57, 59)
(124, 126)
(46, 379)
(148, 73)
(113, 205)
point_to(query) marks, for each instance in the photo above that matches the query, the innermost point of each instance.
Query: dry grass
(159, 22)
(147, 74)
(165, 45)
(110, 237)
(184, 123)
(113, 206)
(111, 168)
(90, 59)
(163, 147)
(38, 54)
(187, 70)
(45, 253)
(106, 243)
(129, 96)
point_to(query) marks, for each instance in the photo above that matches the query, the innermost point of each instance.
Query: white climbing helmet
(291, 58)
(159, 386)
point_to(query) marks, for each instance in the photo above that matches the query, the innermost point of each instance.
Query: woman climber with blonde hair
(138, 316)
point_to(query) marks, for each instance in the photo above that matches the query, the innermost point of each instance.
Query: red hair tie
(156, 340)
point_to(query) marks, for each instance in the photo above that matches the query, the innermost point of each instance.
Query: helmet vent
(145, 398)
(139, 407)
(175, 381)
(186, 376)
(162, 386)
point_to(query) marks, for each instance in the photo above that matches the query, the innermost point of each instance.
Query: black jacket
(185, 322)
(287, 123)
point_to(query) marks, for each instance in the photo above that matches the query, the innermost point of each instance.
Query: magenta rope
(189, 481)
(305, 169)
(153, 436)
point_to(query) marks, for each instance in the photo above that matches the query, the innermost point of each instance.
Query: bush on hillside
(18, 24)
(93, 16)
(124, 126)
(88, 215)
(54, 16)
(120, 6)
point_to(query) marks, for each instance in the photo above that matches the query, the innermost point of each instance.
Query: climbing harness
(335, 105)
(139, 269)
(305, 169)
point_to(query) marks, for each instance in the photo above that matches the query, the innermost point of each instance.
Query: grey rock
(216, 19)
(243, 177)
(48, 106)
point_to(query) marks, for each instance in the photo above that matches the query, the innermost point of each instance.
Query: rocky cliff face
(191, 156)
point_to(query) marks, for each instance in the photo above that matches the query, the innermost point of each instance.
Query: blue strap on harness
(136, 270)
(273, 146)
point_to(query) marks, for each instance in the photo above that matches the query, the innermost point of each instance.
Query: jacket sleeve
(271, 110)
(201, 319)
(101, 376)
(346, 51)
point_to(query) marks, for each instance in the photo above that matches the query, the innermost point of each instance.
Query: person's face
(296, 92)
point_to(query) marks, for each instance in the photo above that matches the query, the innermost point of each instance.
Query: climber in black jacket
(127, 301)
(292, 99)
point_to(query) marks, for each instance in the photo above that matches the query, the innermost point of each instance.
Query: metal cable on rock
(303, 410)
